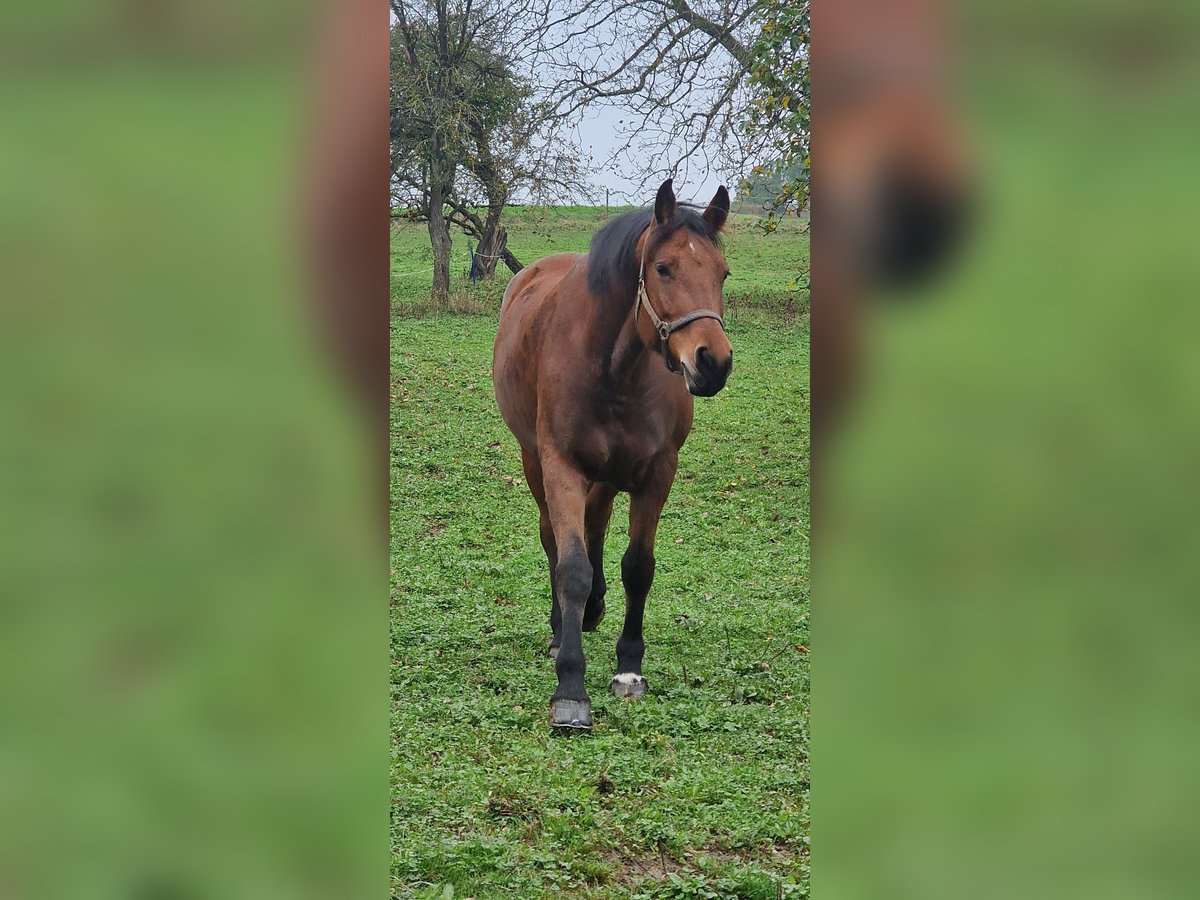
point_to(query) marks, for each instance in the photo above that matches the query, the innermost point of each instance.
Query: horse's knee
(637, 569)
(573, 576)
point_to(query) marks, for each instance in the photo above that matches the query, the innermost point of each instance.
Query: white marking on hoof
(628, 685)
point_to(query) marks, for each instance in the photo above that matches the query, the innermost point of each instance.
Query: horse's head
(895, 173)
(684, 272)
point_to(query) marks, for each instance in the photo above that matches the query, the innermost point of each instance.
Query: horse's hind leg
(599, 511)
(637, 574)
(533, 477)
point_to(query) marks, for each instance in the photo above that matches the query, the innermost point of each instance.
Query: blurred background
(1006, 682)
(193, 618)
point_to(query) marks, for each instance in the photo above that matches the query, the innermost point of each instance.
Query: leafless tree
(676, 69)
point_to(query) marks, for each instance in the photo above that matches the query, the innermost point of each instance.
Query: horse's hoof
(628, 686)
(570, 715)
(591, 621)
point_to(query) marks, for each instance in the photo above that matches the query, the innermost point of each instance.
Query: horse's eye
(662, 270)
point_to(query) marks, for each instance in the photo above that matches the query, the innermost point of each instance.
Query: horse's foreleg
(637, 574)
(551, 548)
(599, 511)
(566, 499)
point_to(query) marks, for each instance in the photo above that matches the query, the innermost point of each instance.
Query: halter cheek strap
(665, 329)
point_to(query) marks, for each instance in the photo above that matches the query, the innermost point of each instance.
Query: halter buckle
(664, 331)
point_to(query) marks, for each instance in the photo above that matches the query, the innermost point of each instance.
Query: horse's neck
(625, 349)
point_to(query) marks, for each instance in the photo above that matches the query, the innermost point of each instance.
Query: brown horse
(595, 364)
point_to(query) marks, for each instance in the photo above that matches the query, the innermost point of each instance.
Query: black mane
(612, 268)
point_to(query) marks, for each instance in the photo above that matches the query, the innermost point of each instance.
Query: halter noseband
(665, 329)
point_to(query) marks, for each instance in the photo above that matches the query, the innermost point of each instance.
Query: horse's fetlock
(599, 588)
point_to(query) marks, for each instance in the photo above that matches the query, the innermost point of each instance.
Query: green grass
(700, 789)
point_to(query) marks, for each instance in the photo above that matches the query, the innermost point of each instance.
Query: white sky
(597, 134)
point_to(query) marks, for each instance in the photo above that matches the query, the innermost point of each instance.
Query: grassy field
(700, 789)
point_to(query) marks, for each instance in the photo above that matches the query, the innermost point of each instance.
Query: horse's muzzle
(919, 228)
(710, 373)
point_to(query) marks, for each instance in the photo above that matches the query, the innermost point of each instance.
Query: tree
(677, 69)
(779, 112)
(762, 189)
(516, 145)
(467, 131)
(425, 117)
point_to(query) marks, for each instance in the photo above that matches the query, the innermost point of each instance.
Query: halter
(665, 329)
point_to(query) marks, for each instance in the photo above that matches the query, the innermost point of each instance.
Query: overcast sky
(597, 135)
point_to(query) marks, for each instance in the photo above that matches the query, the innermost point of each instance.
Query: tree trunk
(439, 239)
(493, 242)
(441, 182)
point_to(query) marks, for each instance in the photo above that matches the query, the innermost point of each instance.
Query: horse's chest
(624, 443)
(631, 445)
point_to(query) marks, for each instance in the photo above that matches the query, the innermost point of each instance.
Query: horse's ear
(664, 203)
(718, 209)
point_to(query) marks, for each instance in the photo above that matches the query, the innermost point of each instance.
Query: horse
(896, 179)
(596, 361)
